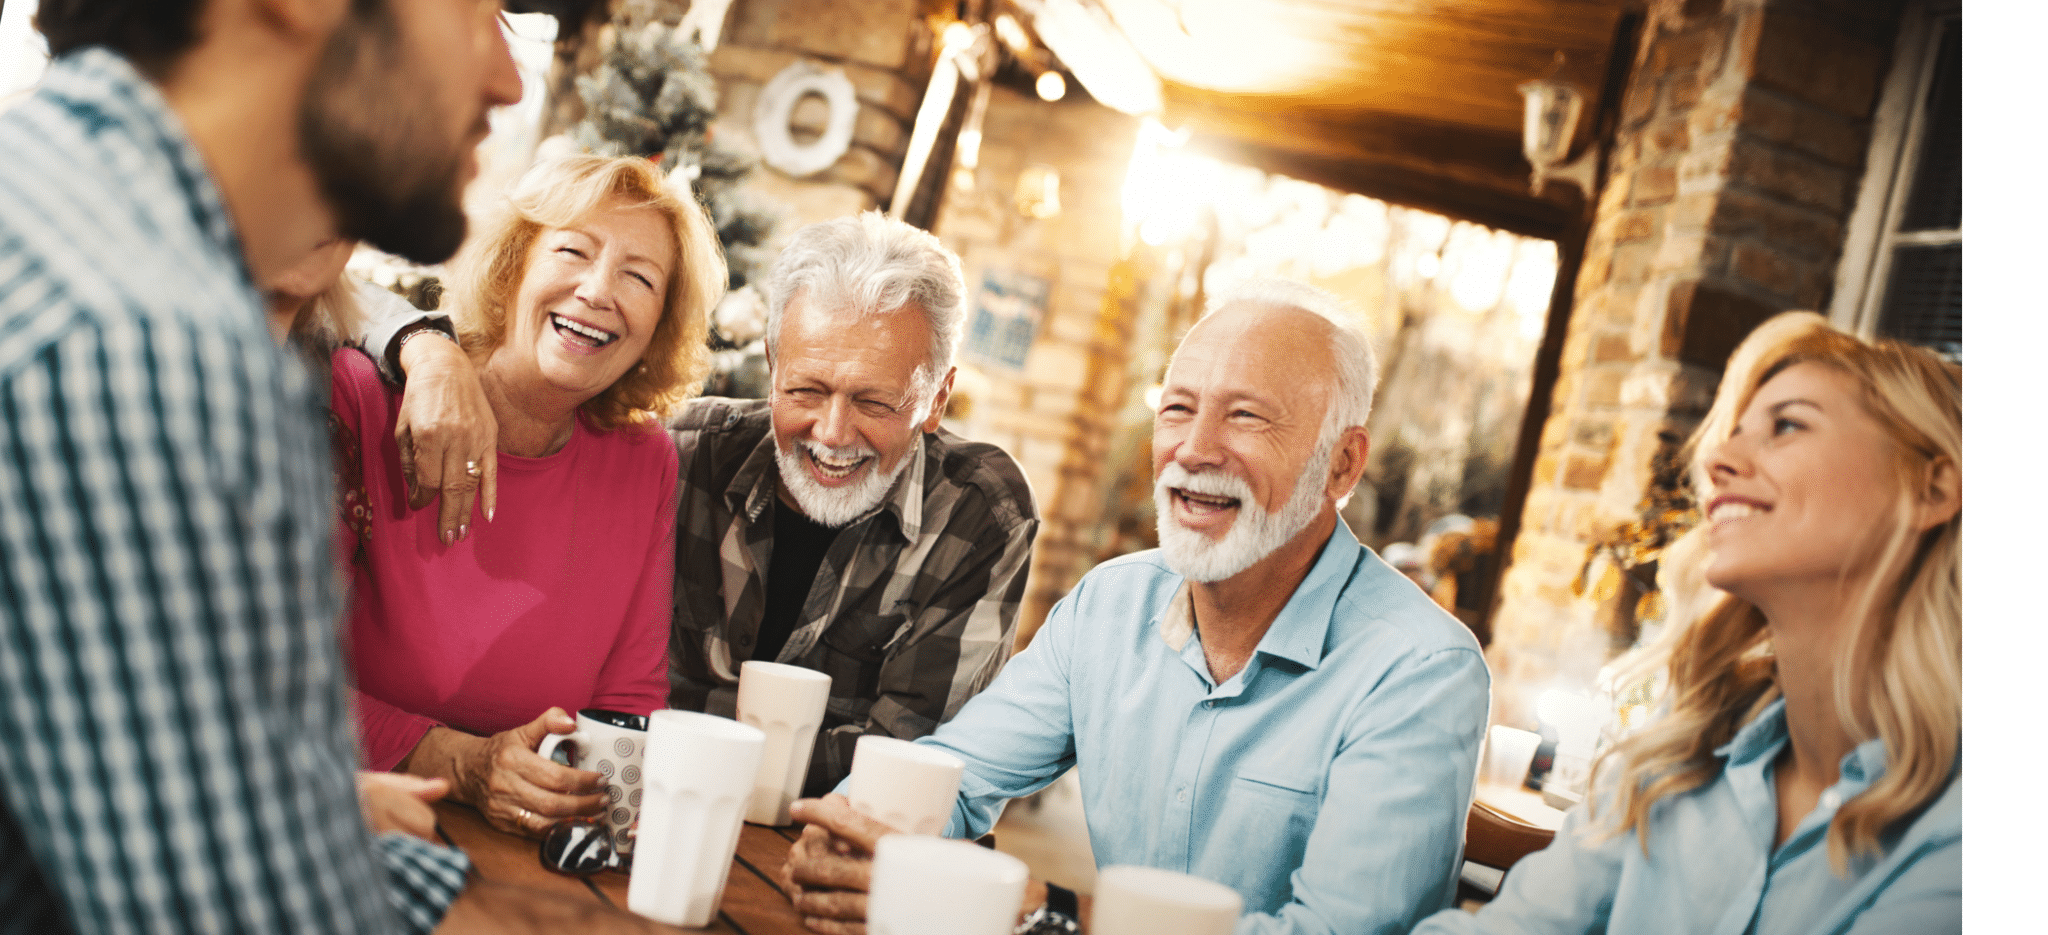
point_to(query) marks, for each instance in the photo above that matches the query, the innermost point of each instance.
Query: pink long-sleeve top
(562, 599)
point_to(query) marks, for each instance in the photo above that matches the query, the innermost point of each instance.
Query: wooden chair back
(1494, 842)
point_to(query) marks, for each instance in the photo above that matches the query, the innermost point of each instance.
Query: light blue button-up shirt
(1711, 868)
(1327, 782)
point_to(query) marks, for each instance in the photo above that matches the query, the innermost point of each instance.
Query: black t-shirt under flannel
(799, 549)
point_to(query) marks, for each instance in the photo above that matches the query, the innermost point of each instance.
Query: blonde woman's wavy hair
(1898, 672)
(325, 323)
(484, 280)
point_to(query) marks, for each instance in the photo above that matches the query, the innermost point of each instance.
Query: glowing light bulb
(1052, 86)
(958, 36)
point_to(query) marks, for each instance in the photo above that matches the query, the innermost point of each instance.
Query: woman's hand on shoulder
(447, 435)
(514, 788)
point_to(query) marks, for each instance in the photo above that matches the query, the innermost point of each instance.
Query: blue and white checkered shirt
(175, 746)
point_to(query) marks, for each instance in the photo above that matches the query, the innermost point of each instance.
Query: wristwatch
(1061, 914)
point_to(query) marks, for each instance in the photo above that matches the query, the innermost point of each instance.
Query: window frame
(1896, 132)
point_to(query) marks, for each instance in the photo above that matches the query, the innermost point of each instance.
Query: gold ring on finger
(472, 469)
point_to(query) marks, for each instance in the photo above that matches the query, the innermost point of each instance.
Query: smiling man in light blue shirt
(1262, 701)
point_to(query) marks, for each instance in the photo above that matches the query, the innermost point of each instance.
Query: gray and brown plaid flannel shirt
(913, 608)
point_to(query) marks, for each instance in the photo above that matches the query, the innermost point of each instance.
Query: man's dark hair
(150, 33)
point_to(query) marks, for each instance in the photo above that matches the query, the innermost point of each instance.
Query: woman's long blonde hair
(484, 279)
(1898, 673)
(324, 324)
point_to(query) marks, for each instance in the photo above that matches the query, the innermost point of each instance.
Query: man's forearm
(385, 320)
(422, 343)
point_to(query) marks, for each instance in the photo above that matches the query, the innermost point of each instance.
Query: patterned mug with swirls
(611, 744)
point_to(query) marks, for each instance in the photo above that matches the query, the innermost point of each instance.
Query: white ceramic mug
(611, 744)
(909, 787)
(1149, 901)
(935, 886)
(787, 703)
(700, 772)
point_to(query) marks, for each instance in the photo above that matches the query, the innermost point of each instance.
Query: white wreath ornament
(777, 103)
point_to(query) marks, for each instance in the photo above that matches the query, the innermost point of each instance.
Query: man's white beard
(1252, 536)
(835, 507)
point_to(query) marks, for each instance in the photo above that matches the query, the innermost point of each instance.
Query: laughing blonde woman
(1806, 775)
(584, 308)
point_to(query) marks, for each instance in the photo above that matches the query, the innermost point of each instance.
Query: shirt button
(1830, 799)
(1183, 796)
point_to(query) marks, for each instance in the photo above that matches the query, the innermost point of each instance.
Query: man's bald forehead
(1253, 319)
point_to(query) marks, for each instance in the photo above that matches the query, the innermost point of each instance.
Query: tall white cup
(1509, 751)
(1149, 901)
(700, 770)
(787, 703)
(935, 886)
(909, 787)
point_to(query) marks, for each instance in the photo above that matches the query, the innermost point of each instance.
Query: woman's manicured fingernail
(462, 532)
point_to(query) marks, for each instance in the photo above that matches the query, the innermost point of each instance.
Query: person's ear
(1347, 461)
(1940, 495)
(931, 419)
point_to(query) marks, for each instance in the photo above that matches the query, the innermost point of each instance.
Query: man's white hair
(1358, 369)
(869, 264)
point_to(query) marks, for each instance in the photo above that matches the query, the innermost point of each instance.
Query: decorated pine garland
(652, 95)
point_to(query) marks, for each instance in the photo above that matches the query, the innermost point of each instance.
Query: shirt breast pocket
(1274, 810)
(855, 645)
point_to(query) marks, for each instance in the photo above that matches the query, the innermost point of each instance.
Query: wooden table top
(752, 904)
(1519, 803)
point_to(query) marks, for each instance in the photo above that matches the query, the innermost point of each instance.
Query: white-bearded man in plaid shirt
(834, 525)
(176, 753)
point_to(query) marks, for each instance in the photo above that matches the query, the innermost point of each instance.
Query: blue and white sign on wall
(1007, 312)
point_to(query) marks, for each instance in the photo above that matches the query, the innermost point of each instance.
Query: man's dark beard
(368, 129)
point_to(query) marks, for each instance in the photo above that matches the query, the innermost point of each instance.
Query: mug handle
(575, 740)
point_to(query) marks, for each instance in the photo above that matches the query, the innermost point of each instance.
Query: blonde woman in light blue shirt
(1805, 777)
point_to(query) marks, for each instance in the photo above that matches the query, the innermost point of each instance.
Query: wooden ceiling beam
(1468, 155)
(1514, 212)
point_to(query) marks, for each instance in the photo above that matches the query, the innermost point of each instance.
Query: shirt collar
(753, 486)
(1766, 734)
(1303, 628)
(1762, 737)
(99, 86)
(1301, 631)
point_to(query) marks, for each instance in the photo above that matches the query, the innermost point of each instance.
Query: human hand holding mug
(828, 871)
(612, 744)
(501, 776)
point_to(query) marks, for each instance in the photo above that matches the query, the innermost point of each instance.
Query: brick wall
(883, 46)
(1741, 141)
(885, 49)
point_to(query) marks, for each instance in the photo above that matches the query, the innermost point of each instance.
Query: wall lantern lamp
(1550, 114)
